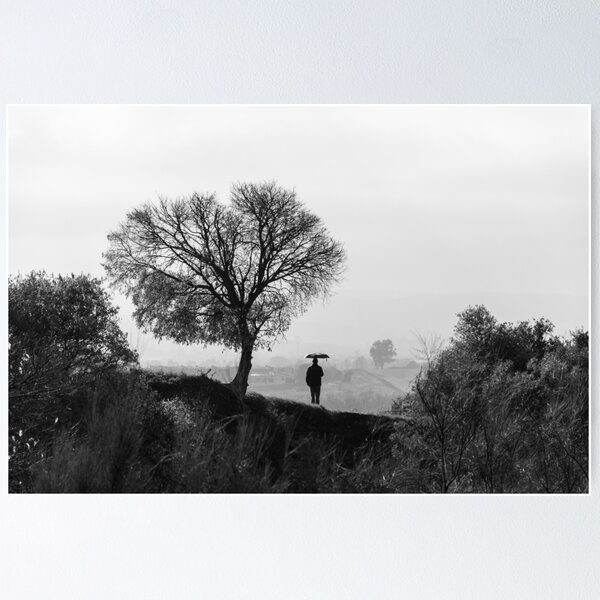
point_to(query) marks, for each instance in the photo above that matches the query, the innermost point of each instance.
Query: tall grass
(101, 454)
(130, 439)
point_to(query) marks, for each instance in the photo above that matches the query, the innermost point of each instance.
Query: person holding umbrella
(314, 373)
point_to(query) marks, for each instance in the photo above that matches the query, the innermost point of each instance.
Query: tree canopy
(382, 352)
(201, 271)
(60, 328)
(480, 333)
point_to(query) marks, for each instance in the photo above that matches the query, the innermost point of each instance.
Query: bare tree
(200, 271)
(428, 348)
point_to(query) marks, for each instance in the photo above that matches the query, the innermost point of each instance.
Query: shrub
(61, 330)
(501, 409)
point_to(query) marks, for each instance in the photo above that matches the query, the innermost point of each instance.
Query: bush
(61, 330)
(503, 408)
(63, 338)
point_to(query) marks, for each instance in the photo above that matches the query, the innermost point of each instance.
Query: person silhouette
(313, 380)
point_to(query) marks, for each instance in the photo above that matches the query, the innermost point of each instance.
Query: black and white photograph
(299, 299)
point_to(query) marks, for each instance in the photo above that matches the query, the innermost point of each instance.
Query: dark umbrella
(317, 355)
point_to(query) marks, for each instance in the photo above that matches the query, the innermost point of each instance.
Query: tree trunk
(239, 385)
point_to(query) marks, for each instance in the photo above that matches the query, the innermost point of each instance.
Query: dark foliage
(140, 433)
(504, 408)
(63, 337)
(382, 352)
(60, 329)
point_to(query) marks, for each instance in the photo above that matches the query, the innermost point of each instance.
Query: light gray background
(311, 546)
(438, 206)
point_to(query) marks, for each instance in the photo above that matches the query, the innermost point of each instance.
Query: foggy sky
(438, 207)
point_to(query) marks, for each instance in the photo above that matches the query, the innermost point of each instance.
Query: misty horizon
(418, 318)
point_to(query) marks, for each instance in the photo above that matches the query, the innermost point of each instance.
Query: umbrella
(317, 355)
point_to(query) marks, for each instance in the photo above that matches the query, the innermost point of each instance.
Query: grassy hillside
(305, 448)
(347, 429)
(142, 432)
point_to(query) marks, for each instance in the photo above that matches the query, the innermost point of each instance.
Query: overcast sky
(438, 207)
